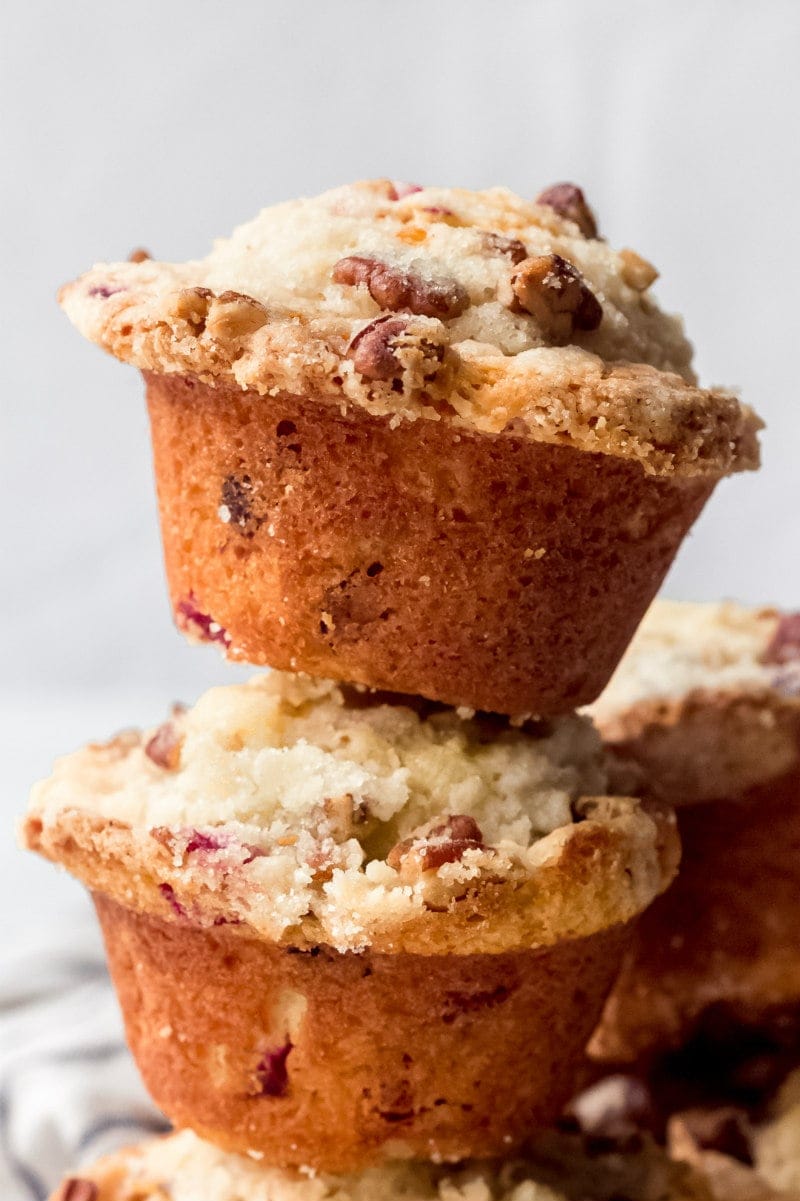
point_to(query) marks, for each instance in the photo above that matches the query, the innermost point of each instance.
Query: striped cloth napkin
(69, 1091)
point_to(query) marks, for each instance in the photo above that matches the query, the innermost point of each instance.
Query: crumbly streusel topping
(186, 1168)
(477, 307)
(305, 802)
(190, 1169)
(719, 648)
(315, 794)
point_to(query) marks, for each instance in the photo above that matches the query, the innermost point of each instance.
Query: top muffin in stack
(429, 440)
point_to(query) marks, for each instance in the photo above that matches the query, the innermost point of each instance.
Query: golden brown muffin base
(491, 571)
(726, 932)
(394, 1055)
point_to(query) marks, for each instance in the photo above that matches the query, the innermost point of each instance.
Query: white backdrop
(165, 123)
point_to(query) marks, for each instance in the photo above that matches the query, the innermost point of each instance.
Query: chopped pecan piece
(191, 305)
(372, 348)
(77, 1190)
(784, 646)
(726, 1130)
(556, 294)
(512, 248)
(228, 316)
(443, 843)
(568, 200)
(139, 255)
(397, 289)
(636, 272)
(164, 748)
(377, 350)
(340, 814)
(234, 315)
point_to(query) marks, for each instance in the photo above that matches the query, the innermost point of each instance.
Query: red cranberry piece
(168, 893)
(200, 841)
(164, 748)
(192, 620)
(271, 1071)
(104, 291)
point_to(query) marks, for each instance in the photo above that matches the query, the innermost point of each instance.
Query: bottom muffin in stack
(345, 928)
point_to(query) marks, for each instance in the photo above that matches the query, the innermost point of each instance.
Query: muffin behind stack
(705, 708)
(435, 442)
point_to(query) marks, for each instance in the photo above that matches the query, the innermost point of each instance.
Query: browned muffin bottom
(338, 1060)
(484, 570)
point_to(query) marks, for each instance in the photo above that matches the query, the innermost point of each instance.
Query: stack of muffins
(427, 454)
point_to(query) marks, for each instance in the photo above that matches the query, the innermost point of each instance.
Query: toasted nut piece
(191, 305)
(164, 748)
(388, 346)
(340, 814)
(784, 646)
(568, 200)
(555, 293)
(234, 315)
(636, 272)
(139, 255)
(372, 348)
(512, 248)
(78, 1190)
(431, 847)
(396, 289)
(726, 1129)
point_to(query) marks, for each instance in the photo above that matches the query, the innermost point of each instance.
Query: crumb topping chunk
(480, 308)
(292, 799)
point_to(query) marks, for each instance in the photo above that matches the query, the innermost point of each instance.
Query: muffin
(344, 929)
(705, 711)
(182, 1167)
(741, 1159)
(739, 1152)
(428, 440)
